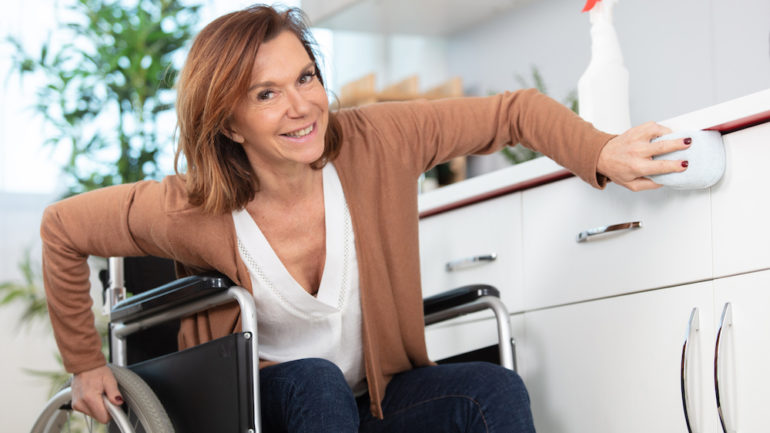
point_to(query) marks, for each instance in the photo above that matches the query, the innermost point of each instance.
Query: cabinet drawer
(488, 228)
(741, 208)
(672, 247)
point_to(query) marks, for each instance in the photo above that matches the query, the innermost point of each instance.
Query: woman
(316, 213)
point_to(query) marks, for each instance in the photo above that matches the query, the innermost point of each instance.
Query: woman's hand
(88, 388)
(627, 158)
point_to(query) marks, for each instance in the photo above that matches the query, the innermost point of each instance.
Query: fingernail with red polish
(119, 399)
(685, 164)
(688, 141)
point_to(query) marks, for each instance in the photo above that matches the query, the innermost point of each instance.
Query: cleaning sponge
(706, 157)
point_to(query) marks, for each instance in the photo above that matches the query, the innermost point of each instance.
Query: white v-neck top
(292, 323)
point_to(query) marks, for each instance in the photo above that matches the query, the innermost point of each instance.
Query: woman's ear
(232, 133)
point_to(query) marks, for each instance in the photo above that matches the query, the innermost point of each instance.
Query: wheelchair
(212, 387)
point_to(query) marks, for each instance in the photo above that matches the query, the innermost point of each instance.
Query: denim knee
(506, 395)
(501, 379)
(313, 368)
(307, 395)
(315, 376)
(474, 396)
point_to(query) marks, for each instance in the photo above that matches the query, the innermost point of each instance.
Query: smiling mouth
(300, 132)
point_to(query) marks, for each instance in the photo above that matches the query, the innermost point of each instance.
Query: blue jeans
(311, 396)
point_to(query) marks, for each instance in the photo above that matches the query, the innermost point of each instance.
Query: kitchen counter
(726, 117)
(661, 308)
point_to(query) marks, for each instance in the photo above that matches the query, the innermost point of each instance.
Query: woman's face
(282, 120)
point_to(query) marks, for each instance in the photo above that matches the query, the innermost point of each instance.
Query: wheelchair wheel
(141, 411)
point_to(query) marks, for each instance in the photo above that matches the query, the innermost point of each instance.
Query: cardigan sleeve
(94, 223)
(436, 131)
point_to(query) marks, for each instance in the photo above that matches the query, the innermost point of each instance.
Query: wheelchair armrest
(456, 297)
(168, 296)
(469, 299)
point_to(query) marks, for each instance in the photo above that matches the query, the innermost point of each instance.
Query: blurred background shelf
(364, 91)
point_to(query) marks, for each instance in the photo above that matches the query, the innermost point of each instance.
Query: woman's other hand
(88, 388)
(627, 158)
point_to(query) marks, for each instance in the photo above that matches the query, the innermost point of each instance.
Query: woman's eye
(265, 95)
(307, 77)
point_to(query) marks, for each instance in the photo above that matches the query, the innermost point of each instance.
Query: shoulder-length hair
(215, 77)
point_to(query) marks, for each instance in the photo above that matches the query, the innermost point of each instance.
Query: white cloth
(706, 156)
(292, 323)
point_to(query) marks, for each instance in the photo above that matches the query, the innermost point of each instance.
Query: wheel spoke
(89, 423)
(144, 412)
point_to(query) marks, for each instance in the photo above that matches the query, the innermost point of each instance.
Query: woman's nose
(299, 105)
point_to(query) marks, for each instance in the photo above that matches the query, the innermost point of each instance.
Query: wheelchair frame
(120, 330)
(127, 317)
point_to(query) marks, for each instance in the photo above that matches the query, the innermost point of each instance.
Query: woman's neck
(289, 186)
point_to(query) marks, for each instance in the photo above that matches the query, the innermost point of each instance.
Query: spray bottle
(603, 87)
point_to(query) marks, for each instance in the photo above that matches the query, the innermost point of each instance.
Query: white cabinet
(602, 324)
(741, 208)
(673, 245)
(467, 239)
(614, 365)
(744, 355)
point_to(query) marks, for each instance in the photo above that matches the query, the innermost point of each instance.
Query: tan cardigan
(386, 147)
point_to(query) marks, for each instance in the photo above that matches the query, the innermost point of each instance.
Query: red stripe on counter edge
(724, 128)
(553, 177)
(744, 122)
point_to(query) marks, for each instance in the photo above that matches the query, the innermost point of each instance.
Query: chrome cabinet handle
(468, 262)
(583, 236)
(693, 325)
(725, 322)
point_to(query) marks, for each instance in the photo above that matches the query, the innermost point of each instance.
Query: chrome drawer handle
(725, 321)
(583, 236)
(692, 326)
(468, 262)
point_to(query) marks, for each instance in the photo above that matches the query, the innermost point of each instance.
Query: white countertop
(753, 108)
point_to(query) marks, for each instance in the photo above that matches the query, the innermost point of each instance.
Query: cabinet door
(672, 247)
(744, 354)
(741, 209)
(614, 365)
(488, 228)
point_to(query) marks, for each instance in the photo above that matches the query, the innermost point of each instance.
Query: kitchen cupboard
(673, 237)
(606, 365)
(614, 365)
(741, 207)
(602, 325)
(480, 244)
(744, 352)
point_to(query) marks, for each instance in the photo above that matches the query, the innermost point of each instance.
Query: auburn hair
(214, 79)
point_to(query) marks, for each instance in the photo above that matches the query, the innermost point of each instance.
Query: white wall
(22, 348)
(681, 55)
(392, 57)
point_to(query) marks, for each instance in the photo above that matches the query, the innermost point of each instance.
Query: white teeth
(301, 132)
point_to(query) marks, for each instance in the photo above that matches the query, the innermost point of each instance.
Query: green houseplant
(107, 89)
(107, 75)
